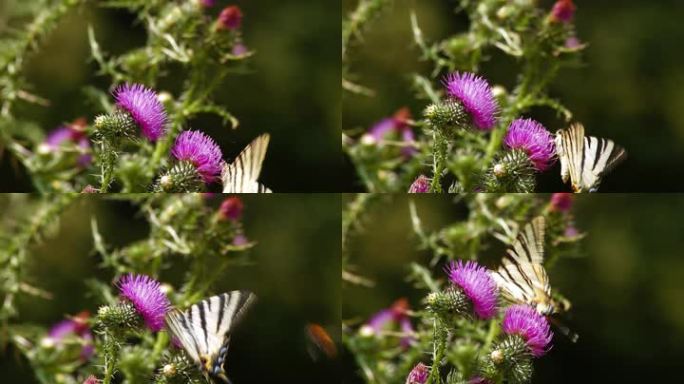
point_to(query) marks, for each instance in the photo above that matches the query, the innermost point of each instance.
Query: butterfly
(521, 276)
(204, 330)
(241, 175)
(586, 159)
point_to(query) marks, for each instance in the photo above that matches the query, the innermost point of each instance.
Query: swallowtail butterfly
(241, 175)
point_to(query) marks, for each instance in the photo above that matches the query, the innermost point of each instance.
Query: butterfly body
(204, 330)
(586, 159)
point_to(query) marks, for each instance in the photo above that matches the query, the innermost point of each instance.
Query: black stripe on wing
(242, 174)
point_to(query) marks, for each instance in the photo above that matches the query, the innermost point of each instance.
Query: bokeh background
(293, 91)
(626, 286)
(628, 89)
(295, 272)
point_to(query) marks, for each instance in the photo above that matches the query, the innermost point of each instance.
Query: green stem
(159, 345)
(439, 153)
(438, 353)
(110, 358)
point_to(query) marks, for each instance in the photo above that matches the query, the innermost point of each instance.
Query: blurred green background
(626, 288)
(295, 274)
(293, 91)
(629, 88)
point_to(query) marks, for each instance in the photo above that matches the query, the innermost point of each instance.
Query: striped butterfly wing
(241, 175)
(570, 148)
(600, 157)
(204, 329)
(585, 159)
(521, 276)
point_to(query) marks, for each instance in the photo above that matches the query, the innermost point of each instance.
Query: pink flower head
(146, 296)
(230, 17)
(525, 321)
(396, 125)
(78, 326)
(239, 49)
(419, 374)
(74, 133)
(91, 380)
(231, 208)
(144, 107)
(475, 95)
(476, 282)
(563, 11)
(561, 202)
(534, 139)
(396, 315)
(200, 150)
(207, 3)
(421, 185)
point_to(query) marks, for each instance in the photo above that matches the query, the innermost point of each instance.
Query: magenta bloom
(91, 380)
(397, 125)
(240, 240)
(231, 208)
(73, 133)
(144, 107)
(230, 17)
(421, 185)
(208, 3)
(200, 150)
(525, 321)
(146, 296)
(563, 11)
(561, 202)
(78, 326)
(475, 95)
(534, 139)
(476, 282)
(419, 374)
(397, 314)
(239, 49)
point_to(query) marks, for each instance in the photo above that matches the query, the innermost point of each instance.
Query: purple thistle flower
(476, 282)
(396, 315)
(146, 296)
(239, 49)
(475, 95)
(561, 202)
(91, 380)
(230, 17)
(573, 42)
(240, 240)
(534, 139)
(78, 326)
(58, 136)
(231, 208)
(419, 374)
(200, 150)
(395, 125)
(525, 321)
(563, 11)
(144, 107)
(421, 185)
(207, 3)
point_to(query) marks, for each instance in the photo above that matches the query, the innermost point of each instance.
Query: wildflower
(231, 208)
(396, 125)
(395, 315)
(201, 151)
(561, 202)
(91, 380)
(240, 240)
(563, 11)
(76, 326)
(146, 296)
(532, 138)
(89, 189)
(419, 374)
(207, 3)
(239, 49)
(74, 133)
(421, 185)
(476, 283)
(525, 321)
(476, 96)
(573, 42)
(230, 18)
(144, 107)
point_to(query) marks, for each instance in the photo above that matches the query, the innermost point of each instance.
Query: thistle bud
(446, 115)
(181, 178)
(119, 316)
(514, 172)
